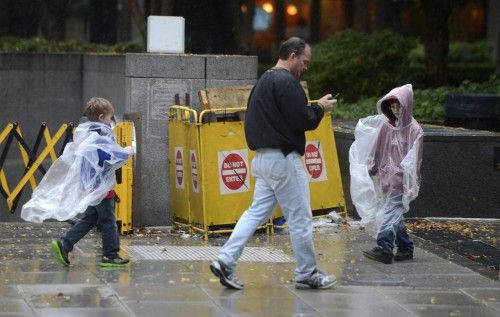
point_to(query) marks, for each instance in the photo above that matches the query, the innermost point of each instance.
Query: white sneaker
(225, 275)
(318, 279)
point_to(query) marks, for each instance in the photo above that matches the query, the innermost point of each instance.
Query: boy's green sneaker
(59, 253)
(116, 262)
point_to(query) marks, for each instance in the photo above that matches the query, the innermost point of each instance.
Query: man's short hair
(292, 45)
(97, 106)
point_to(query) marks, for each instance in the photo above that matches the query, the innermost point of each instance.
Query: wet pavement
(169, 276)
(474, 241)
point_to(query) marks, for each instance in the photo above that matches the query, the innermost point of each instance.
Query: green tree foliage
(357, 65)
(428, 104)
(466, 61)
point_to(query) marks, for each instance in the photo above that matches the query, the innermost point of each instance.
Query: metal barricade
(322, 166)
(33, 159)
(180, 122)
(225, 186)
(210, 170)
(124, 180)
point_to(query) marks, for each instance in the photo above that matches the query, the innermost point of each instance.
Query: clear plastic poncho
(82, 176)
(384, 162)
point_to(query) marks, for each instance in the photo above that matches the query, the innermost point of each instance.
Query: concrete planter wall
(459, 177)
(54, 88)
(152, 82)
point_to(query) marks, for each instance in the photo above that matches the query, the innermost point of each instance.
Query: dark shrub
(358, 65)
(428, 104)
(39, 45)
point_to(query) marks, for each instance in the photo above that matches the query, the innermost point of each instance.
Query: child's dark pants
(104, 214)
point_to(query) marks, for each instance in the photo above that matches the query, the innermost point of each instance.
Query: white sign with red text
(234, 172)
(179, 167)
(314, 162)
(195, 184)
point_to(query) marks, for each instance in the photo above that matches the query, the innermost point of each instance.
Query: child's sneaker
(318, 279)
(402, 255)
(225, 275)
(379, 254)
(116, 262)
(59, 252)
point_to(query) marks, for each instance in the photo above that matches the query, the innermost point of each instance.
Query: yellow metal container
(210, 169)
(225, 184)
(124, 182)
(180, 124)
(322, 166)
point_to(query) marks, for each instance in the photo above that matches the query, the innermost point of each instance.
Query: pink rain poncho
(81, 177)
(385, 160)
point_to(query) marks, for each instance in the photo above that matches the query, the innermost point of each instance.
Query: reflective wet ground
(169, 276)
(475, 240)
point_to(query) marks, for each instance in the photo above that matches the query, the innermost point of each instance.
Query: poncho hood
(404, 94)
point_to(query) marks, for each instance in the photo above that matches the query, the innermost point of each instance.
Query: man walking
(276, 119)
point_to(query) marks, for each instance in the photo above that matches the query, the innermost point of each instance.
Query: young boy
(385, 172)
(82, 180)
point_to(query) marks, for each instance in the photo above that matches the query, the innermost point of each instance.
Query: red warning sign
(314, 161)
(194, 171)
(179, 168)
(234, 172)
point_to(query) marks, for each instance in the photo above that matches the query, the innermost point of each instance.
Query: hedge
(428, 104)
(358, 65)
(39, 45)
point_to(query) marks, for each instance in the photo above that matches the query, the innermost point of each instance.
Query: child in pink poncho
(385, 164)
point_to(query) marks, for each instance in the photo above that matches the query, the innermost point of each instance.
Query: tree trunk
(493, 28)
(244, 33)
(280, 21)
(315, 21)
(386, 15)
(349, 12)
(361, 16)
(123, 23)
(53, 20)
(19, 17)
(103, 18)
(138, 17)
(436, 38)
(161, 7)
(210, 26)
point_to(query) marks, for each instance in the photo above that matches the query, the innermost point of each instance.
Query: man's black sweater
(277, 113)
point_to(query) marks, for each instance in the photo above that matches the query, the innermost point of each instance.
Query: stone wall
(459, 178)
(152, 83)
(54, 88)
(36, 88)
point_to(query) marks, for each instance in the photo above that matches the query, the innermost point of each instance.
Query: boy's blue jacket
(82, 176)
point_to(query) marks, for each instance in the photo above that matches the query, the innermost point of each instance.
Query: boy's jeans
(283, 180)
(393, 227)
(104, 213)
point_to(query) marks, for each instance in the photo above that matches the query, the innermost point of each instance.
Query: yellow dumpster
(223, 172)
(210, 167)
(322, 166)
(180, 121)
(124, 179)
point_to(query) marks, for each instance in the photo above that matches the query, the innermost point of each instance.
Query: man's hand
(327, 102)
